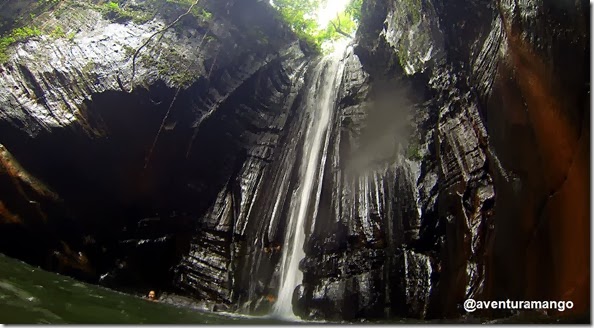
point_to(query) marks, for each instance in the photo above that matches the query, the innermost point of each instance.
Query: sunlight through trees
(303, 16)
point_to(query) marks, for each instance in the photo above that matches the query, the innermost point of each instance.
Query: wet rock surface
(415, 232)
(137, 156)
(475, 201)
(456, 165)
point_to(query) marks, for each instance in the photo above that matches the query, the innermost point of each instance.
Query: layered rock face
(478, 209)
(505, 136)
(456, 163)
(108, 164)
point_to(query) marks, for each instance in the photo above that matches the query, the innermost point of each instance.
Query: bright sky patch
(328, 11)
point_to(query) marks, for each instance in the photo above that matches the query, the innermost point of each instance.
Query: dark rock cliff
(484, 208)
(125, 162)
(497, 94)
(457, 163)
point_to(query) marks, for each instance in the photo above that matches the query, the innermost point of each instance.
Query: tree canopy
(300, 15)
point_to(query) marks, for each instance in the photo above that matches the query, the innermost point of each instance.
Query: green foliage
(112, 6)
(205, 15)
(58, 32)
(353, 9)
(14, 36)
(25, 32)
(4, 44)
(70, 36)
(48, 2)
(22, 27)
(129, 51)
(413, 151)
(339, 26)
(298, 14)
(112, 11)
(142, 13)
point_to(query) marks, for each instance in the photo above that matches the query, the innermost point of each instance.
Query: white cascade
(320, 105)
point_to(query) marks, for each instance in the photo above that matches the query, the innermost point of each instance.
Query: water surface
(31, 295)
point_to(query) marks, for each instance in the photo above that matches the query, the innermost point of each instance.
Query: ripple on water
(16, 291)
(49, 315)
(78, 284)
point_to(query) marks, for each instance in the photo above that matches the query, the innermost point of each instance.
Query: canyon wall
(505, 139)
(109, 160)
(457, 165)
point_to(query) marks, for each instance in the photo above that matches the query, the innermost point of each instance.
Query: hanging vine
(161, 31)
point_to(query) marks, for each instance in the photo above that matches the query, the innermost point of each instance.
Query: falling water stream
(320, 104)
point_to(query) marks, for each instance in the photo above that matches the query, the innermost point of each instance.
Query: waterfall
(319, 105)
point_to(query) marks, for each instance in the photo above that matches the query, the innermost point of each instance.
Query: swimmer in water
(151, 296)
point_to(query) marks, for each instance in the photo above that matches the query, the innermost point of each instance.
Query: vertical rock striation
(231, 236)
(456, 165)
(492, 191)
(136, 156)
